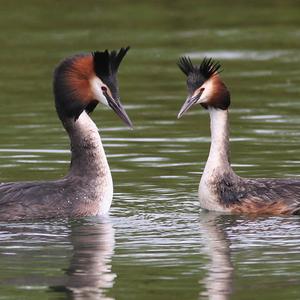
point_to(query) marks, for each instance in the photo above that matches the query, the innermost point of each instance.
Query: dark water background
(156, 244)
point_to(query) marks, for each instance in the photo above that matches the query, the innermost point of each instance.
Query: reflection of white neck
(219, 280)
(90, 275)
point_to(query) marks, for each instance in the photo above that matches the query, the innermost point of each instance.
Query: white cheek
(96, 84)
(208, 90)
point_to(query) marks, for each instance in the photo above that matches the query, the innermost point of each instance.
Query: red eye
(104, 88)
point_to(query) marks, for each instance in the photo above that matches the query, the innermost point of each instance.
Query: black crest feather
(185, 64)
(207, 68)
(107, 63)
(198, 74)
(106, 66)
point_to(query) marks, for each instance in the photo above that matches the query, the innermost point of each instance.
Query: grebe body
(80, 83)
(220, 189)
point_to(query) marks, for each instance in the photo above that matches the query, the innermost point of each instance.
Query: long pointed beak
(190, 101)
(118, 108)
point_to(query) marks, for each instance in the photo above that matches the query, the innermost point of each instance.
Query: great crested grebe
(80, 83)
(220, 189)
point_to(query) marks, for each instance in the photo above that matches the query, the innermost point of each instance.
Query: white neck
(217, 164)
(219, 149)
(89, 160)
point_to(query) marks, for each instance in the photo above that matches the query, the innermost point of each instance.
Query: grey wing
(20, 200)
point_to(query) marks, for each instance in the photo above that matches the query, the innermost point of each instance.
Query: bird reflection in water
(90, 275)
(220, 270)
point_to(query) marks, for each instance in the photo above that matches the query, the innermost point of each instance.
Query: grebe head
(204, 85)
(84, 80)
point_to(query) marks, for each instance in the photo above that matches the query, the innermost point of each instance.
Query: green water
(156, 244)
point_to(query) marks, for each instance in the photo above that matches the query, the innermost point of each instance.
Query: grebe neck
(88, 156)
(219, 154)
(218, 165)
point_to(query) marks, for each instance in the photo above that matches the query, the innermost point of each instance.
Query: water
(156, 243)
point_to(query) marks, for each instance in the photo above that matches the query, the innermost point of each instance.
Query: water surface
(156, 243)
